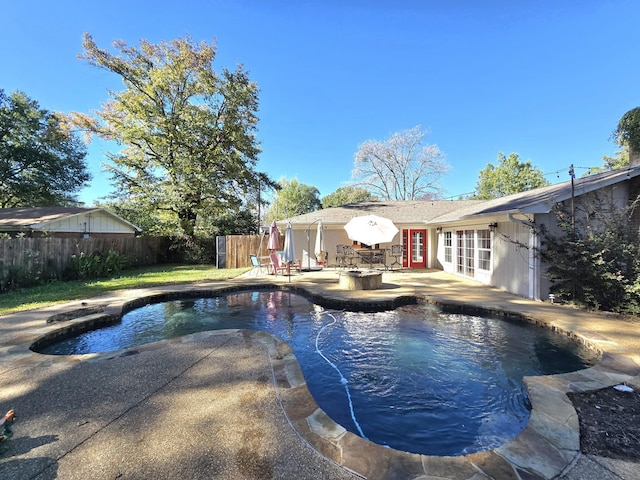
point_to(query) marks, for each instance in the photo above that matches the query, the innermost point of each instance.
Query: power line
(454, 197)
(567, 170)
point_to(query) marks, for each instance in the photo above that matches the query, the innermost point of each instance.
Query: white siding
(512, 258)
(512, 268)
(95, 222)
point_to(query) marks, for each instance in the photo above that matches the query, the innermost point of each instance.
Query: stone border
(357, 280)
(549, 444)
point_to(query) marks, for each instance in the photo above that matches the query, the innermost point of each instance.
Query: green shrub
(25, 273)
(192, 250)
(96, 265)
(598, 266)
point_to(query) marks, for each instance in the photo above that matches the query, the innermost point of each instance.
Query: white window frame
(484, 245)
(448, 247)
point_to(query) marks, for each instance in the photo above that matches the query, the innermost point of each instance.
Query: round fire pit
(358, 280)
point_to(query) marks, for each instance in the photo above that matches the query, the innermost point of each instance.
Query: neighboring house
(491, 241)
(64, 222)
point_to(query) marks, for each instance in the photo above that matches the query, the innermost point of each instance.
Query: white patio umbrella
(289, 253)
(371, 229)
(319, 250)
(274, 237)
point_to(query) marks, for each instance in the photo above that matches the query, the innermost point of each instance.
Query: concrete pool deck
(234, 405)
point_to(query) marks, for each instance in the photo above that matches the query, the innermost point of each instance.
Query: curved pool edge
(544, 449)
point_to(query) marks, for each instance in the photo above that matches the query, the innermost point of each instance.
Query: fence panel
(52, 255)
(238, 249)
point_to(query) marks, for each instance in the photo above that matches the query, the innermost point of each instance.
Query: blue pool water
(414, 379)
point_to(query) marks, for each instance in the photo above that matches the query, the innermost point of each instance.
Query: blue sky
(547, 79)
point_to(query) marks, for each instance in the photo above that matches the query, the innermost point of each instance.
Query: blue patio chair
(258, 267)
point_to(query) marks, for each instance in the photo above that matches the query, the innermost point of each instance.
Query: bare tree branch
(400, 168)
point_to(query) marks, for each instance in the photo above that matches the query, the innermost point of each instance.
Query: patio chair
(258, 267)
(276, 265)
(350, 256)
(322, 259)
(397, 252)
(340, 255)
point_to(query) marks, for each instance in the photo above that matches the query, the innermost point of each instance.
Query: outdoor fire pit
(359, 280)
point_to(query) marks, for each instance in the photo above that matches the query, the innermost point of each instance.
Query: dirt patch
(609, 422)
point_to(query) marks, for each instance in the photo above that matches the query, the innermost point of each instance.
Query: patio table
(372, 256)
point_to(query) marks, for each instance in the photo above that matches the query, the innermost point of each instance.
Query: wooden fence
(237, 249)
(51, 256)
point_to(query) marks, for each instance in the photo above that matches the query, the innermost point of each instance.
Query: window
(469, 252)
(466, 252)
(417, 246)
(448, 247)
(484, 250)
(460, 250)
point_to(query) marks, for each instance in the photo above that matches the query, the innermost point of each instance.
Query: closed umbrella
(371, 229)
(319, 250)
(289, 253)
(274, 237)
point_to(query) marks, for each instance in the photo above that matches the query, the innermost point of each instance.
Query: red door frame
(407, 242)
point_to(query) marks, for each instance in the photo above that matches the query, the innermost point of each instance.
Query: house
(64, 222)
(409, 216)
(490, 241)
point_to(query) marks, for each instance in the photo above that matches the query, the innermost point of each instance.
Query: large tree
(400, 168)
(620, 159)
(293, 198)
(627, 137)
(188, 133)
(344, 195)
(627, 134)
(41, 160)
(510, 175)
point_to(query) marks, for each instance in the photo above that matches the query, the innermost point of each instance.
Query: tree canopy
(293, 198)
(400, 168)
(344, 195)
(628, 131)
(511, 175)
(188, 133)
(41, 160)
(619, 159)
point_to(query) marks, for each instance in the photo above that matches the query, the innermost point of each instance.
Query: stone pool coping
(546, 448)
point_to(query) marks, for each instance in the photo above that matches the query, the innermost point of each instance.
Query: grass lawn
(60, 292)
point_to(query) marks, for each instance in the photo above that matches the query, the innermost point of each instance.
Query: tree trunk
(634, 157)
(187, 221)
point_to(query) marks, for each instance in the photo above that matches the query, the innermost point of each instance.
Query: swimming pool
(414, 379)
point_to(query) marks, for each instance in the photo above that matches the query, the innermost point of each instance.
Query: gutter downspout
(534, 263)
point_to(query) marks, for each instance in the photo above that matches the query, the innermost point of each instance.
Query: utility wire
(557, 173)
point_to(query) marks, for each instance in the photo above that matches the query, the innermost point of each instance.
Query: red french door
(415, 248)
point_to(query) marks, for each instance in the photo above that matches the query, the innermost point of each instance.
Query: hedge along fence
(47, 258)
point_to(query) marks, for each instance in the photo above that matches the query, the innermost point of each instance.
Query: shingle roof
(415, 211)
(25, 217)
(539, 200)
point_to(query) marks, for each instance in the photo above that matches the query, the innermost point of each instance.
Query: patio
(233, 404)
